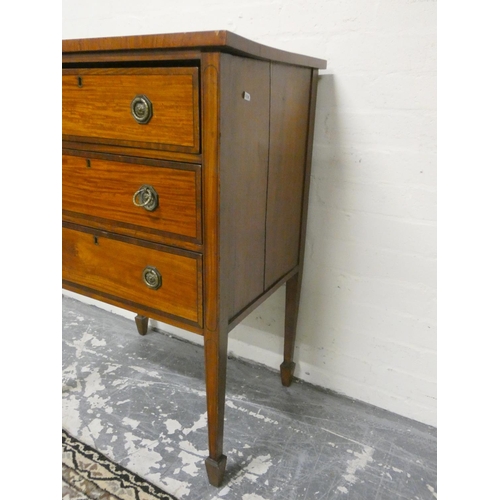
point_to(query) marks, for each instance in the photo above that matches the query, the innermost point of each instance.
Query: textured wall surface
(367, 325)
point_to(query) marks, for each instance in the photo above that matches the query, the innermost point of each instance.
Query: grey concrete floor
(141, 401)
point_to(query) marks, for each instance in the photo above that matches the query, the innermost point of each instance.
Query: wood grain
(113, 266)
(290, 93)
(211, 188)
(216, 244)
(96, 107)
(294, 285)
(147, 56)
(244, 158)
(222, 40)
(99, 188)
(133, 152)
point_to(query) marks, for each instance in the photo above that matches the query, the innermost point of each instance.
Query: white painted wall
(367, 325)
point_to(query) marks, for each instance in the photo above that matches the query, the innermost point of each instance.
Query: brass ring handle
(141, 109)
(152, 277)
(146, 197)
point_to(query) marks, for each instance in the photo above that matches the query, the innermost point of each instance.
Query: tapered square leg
(142, 324)
(215, 470)
(287, 368)
(215, 370)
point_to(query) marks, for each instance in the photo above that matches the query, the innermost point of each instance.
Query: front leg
(215, 369)
(142, 324)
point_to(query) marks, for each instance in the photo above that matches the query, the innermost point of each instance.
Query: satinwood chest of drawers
(186, 162)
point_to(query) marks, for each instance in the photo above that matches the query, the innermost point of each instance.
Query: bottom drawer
(161, 279)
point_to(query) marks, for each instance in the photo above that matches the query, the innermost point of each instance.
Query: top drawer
(98, 106)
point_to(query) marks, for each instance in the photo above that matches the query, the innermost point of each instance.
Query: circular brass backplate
(141, 109)
(151, 277)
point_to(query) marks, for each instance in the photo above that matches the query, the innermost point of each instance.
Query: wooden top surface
(224, 41)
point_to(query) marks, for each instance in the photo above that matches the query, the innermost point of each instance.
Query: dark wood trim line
(103, 223)
(150, 162)
(129, 154)
(105, 141)
(124, 56)
(133, 241)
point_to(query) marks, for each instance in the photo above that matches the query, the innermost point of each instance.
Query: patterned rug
(88, 475)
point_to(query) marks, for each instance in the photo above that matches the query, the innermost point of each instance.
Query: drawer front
(116, 268)
(101, 192)
(97, 106)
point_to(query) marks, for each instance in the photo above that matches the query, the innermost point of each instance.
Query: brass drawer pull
(142, 109)
(146, 197)
(152, 277)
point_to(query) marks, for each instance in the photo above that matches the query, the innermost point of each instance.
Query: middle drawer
(151, 199)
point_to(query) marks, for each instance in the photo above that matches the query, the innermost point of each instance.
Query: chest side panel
(244, 115)
(290, 97)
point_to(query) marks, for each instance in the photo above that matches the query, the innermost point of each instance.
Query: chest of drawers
(186, 164)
